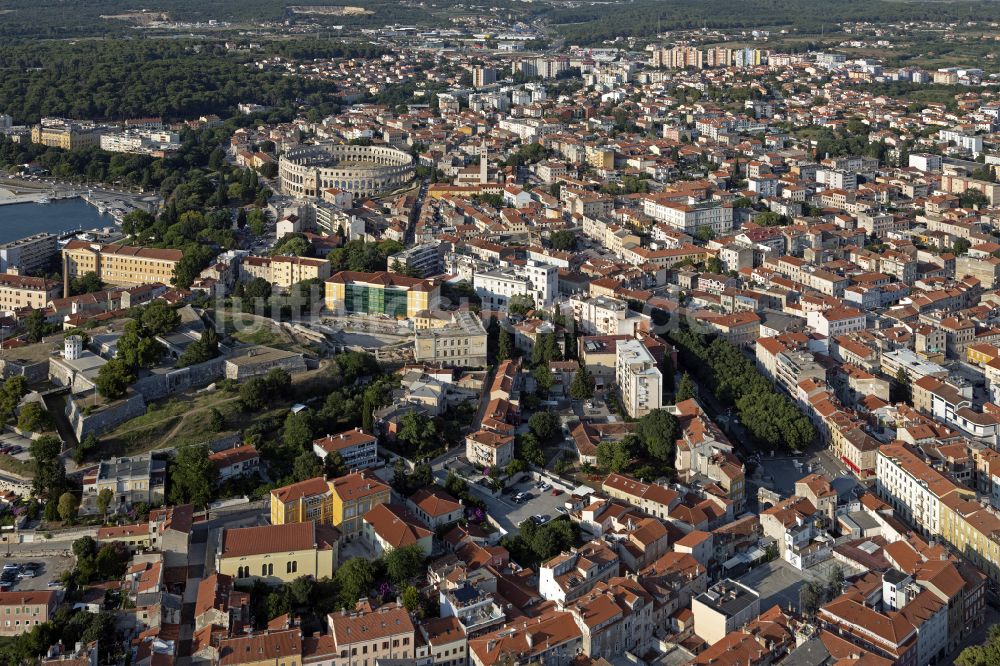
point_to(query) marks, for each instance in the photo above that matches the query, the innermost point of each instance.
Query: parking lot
(510, 514)
(778, 582)
(12, 439)
(50, 570)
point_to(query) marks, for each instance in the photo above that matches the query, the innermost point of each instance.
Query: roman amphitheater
(364, 171)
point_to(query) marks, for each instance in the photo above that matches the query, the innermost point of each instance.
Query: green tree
(961, 246)
(216, 421)
(253, 394)
(418, 433)
(34, 418)
(159, 318)
(113, 379)
(505, 345)
(520, 304)
(193, 477)
(614, 456)
(69, 505)
(544, 425)
(104, 499)
(355, 578)
(543, 378)
(582, 387)
(704, 233)
(686, 389)
(411, 599)
(299, 428)
(49, 478)
(564, 240)
(405, 563)
(307, 466)
(530, 450)
(88, 283)
(205, 348)
(36, 327)
(658, 431)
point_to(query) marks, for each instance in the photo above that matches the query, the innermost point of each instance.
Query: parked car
(546, 486)
(15, 449)
(556, 492)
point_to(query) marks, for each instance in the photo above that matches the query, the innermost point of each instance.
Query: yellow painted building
(278, 553)
(381, 293)
(120, 264)
(67, 136)
(982, 353)
(341, 502)
(354, 495)
(18, 291)
(307, 500)
(973, 531)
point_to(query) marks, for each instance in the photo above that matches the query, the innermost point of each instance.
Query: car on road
(561, 509)
(26, 573)
(546, 486)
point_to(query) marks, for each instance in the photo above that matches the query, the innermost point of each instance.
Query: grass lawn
(260, 336)
(15, 466)
(177, 421)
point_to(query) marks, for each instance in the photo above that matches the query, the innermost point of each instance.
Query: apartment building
(27, 255)
(381, 293)
(366, 638)
(278, 553)
(602, 315)
(537, 280)
(689, 216)
(120, 264)
(459, 342)
(913, 488)
(569, 575)
(356, 448)
(131, 480)
(489, 449)
(18, 291)
(390, 526)
(284, 271)
(837, 321)
(22, 610)
(723, 608)
(425, 258)
(639, 380)
(651, 498)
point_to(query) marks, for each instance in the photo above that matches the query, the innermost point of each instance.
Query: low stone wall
(106, 418)
(160, 385)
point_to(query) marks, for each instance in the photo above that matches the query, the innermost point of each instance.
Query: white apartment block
(535, 279)
(836, 179)
(690, 216)
(602, 315)
(925, 162)
(968, 142)
(640, 382)
(836, 321)
(911, 486)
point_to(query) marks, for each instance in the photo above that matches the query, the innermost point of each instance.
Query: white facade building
(639, 380)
